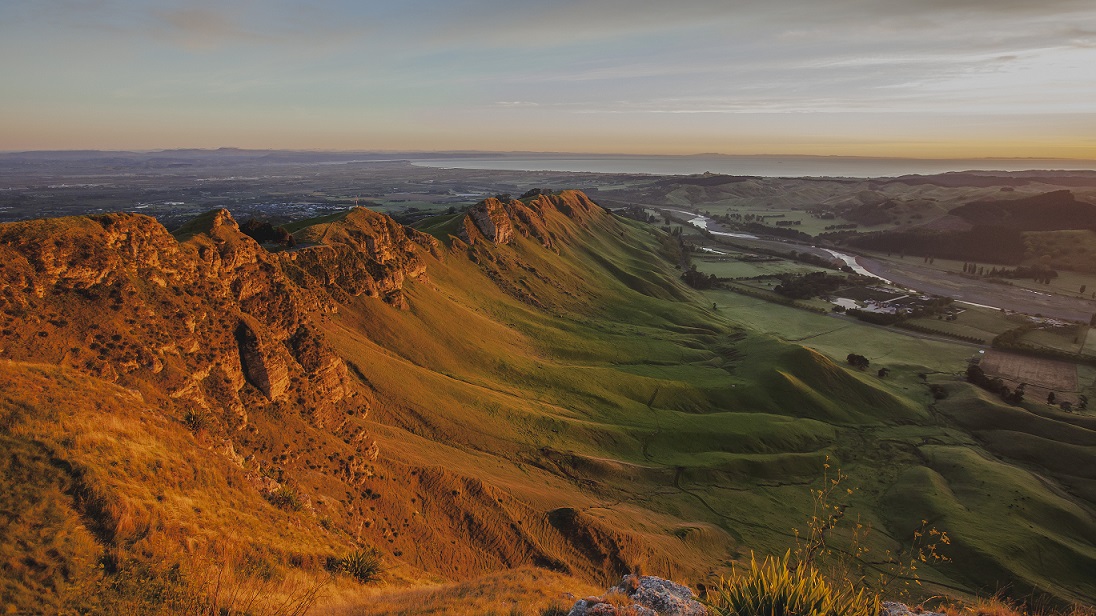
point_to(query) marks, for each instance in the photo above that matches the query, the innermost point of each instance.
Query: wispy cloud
(204, 29)
(572, 66)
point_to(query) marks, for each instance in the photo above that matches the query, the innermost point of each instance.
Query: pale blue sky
(884, 77)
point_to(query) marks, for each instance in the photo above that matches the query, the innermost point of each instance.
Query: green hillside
(559, 401)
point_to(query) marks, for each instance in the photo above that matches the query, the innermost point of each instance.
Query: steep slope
(222, 343)
(529, 388)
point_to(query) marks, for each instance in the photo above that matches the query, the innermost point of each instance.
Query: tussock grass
(524, 590)
(777, 587)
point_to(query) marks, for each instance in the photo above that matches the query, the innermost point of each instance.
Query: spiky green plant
(362, 565)
(775, 587)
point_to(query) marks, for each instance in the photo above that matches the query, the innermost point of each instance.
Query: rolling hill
(525, 387)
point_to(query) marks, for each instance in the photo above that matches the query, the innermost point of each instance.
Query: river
(924, 279)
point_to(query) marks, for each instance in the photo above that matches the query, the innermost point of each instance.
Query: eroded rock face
(118, 297)
(364, 254)
(641, 596)
(540, 218)
(263, 366)
(488, 219)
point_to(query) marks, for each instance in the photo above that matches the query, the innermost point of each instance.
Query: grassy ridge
(629, 394)
(576, 408)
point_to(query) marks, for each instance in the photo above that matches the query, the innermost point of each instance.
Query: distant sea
(769, 166)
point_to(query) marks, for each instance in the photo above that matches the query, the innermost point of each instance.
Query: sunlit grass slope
(633, 391)
(559, 404)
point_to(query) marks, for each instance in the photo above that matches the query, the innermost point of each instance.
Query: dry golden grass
(138, 480)
(108, 484)
(535, 409)
(525, 590)
(1000, 605)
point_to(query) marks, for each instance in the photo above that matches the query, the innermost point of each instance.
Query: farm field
(837, 336)
(729, 267)
(1046, 373)
(973, 321)
(1067, 338)
(1067, 283)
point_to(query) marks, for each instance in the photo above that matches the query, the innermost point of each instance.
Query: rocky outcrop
(542, 217)
(365, 253)
(642, 596)
(206, 317)
(891, 608)
(195, 321)
(490, 220)
(262, 364)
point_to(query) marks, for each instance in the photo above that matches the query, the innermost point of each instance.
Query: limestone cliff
(490, 232)
(199, 320)
(365, 253)
(541, 217)
(264, 364)
(490, 220)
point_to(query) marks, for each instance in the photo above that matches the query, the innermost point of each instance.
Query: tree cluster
(1037, 273)
(875, 318)
(698, 280)
(977, 376)
(806, 286)
(858, 361)
(757, 227)
(981, 243)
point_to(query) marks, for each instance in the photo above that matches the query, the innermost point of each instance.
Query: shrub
(858, 361)
(196, 420)
(775, 587)
(285, 498)
(362, 565)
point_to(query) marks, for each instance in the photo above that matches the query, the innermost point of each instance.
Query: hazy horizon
(550, 153)
(943, 80)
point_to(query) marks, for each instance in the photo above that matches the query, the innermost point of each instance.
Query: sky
(906, 78)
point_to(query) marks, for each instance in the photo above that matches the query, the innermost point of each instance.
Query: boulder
(642, 596)
(891, 608)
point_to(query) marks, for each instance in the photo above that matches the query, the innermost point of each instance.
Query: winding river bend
(911, 275)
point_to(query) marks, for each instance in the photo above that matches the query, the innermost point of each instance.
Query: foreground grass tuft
(362, 565)
(775, 587)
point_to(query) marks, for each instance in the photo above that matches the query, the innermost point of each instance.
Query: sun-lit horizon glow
(967, 79)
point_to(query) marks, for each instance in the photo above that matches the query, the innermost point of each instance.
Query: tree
(858, 361)
(1017, 395)
(1083, 287)
(883, 372)
(975, 375)
(1051, 398)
